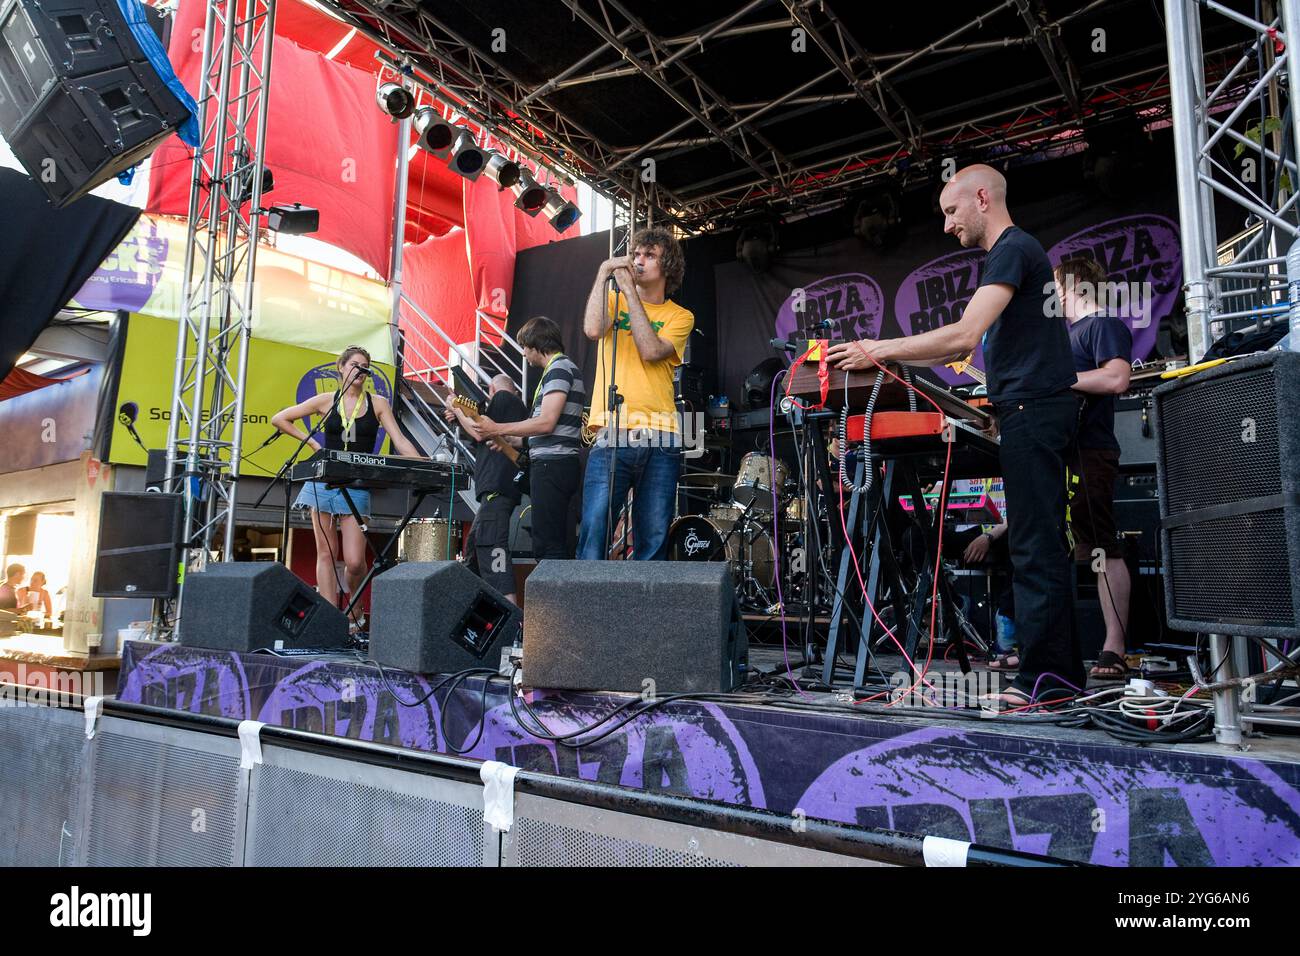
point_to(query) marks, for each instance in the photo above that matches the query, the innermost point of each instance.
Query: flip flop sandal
(1002, 663)
(996, 703)
(1109, 666)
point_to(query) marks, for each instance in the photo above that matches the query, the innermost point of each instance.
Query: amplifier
(1136, 432)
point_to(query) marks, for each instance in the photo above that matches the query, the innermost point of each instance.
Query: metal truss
(216, 315)
(1241, 284)
(477, 85)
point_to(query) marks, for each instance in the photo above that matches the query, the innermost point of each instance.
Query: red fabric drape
(328, 145)
(20, 382)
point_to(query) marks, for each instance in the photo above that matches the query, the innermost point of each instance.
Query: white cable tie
(94, 710)
(498, 794)
(250, 743)
(941, 851)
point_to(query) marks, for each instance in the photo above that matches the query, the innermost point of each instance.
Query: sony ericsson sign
(845, 306)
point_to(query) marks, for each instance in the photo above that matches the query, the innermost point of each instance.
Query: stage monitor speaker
(155, 470)
(438, 617)
(79, 101)
(247, 606)
(615, 625)
(1229, 478)
(139, 550)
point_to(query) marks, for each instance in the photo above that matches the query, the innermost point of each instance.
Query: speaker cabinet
(79, 101)
(438, 617)
(1229, 477)
(247, 606)
(614, 625)
(139, 551)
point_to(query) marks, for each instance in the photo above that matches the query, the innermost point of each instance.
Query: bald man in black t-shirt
(1030, 373)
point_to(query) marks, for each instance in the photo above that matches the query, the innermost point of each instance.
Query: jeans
(552, 482)
(487, 546)
(653, 472)
(1036, 437)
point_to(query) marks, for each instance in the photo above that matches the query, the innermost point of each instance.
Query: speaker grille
(540, 843)
(40, 787)
(303, 819)
(1207, 460)
(1233, 570)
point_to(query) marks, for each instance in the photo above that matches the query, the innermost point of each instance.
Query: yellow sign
(278, 376)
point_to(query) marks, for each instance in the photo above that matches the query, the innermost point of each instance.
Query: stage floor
(1007, 782)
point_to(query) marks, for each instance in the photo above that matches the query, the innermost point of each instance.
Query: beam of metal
(1054, 53)
(799, 12)
(739, 150)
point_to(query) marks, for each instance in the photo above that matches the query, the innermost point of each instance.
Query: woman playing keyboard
(351, 426)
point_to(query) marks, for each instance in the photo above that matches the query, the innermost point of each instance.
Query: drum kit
(741, 530)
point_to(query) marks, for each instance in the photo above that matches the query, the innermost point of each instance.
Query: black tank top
(366, 429)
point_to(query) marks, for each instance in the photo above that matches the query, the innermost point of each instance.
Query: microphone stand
(289, 462)
(612, 402)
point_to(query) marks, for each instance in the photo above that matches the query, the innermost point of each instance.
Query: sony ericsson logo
(357, 458)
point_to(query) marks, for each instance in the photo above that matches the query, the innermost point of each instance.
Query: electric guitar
(964, 366)
(518, 457)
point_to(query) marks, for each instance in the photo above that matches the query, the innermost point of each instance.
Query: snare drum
(754, 483)
(425, 539)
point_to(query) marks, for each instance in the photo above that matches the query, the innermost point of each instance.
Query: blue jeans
(653, 472)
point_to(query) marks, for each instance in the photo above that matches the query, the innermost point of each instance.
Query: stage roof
(737, 120)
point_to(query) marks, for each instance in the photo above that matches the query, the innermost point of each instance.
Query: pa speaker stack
(1229, 477)
(662, 626)
(79, 100)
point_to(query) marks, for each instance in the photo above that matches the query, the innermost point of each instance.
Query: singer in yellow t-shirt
(652, 334)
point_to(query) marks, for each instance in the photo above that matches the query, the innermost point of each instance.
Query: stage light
(435, 134)
(560, 213)
(502, 171)
(395, 100)
(467, 159)
(529, 197)
(878, 218)
(295, 220)
(756, 246)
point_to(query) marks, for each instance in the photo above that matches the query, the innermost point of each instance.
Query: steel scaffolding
(215, 322)
(1240, 284)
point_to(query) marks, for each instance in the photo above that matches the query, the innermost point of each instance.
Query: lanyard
(538, 387)
(350, 421)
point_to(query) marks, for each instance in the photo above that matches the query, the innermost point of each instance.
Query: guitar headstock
(468, 404)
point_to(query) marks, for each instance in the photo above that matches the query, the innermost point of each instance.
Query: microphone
(781, 345)
(272, 437)
(126, 415)
(364, 372)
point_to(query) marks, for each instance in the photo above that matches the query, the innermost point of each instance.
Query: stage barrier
(106, 783)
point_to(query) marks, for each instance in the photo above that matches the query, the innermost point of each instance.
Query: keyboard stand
(381, 559)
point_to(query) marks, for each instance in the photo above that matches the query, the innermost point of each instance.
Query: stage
(1073, 794)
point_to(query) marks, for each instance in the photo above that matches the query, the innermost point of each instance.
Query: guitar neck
(500, 444)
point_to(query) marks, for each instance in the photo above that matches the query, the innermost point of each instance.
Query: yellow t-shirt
(646, 387)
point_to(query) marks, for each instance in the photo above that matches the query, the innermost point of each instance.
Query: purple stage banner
(1076, 795)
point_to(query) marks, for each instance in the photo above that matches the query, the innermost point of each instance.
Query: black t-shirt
(1026, 349)
(493, 471)
(1095, 340)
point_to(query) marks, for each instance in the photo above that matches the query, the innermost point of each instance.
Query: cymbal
(707, 479)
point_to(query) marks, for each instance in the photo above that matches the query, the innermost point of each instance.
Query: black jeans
(487, 546)
(553, 482)
(1036, 438)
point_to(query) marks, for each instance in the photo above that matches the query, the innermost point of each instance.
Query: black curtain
(46, 255)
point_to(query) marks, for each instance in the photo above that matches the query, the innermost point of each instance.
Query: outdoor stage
(1072, 794)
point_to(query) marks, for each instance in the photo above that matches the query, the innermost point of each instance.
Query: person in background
(554, 434)
(1103, 353)
(11, 592)
(35, 597)
(487, 546)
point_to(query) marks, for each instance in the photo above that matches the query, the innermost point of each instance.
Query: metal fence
(116, 784)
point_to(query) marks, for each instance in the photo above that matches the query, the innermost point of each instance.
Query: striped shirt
(561, 376)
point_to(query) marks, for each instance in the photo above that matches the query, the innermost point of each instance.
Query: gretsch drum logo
(694, 543)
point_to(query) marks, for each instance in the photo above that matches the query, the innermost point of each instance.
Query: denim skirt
(315, 494)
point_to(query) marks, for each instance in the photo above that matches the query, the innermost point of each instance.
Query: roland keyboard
(362, 470)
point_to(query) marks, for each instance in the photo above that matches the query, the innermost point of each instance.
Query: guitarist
(487, 547)
(554, 433)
